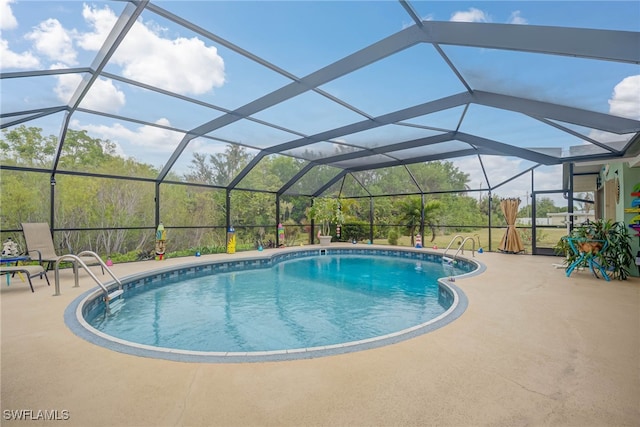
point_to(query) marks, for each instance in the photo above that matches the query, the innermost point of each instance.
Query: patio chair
(37, 237)
(29, 271)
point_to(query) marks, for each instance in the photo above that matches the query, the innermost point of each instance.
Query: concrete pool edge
(74, 319)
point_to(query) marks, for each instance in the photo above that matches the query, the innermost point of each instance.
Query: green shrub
(355, 230)
(393, 237)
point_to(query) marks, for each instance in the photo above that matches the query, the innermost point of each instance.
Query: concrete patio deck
(533, 348)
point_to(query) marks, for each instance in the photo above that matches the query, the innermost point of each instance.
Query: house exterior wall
(628, 178)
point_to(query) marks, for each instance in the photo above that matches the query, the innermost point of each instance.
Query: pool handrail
(77, 261)
(444, 254)
(461, 248)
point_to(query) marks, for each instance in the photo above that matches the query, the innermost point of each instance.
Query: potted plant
(616, 257)
(326, 211)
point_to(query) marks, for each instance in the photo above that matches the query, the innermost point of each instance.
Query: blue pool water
(296, 304)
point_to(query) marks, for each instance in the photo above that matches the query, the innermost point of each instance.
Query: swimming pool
(293, 304)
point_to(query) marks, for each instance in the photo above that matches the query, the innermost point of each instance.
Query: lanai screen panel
(443, 120)
(382, 88)
(383, 136)
(321, 150)
(612, 140)
(518, 133)
(499, 169)
(207, 160)
(309, 113)
(271, 173)
(37, 93)
(471, 167)
(440, 150)
(192, 206)
(103, 202)
(25, 197)
(122, 142)
(314, 180)
(191, 61)
(144, 105)
(439, 176)
(353, 185)
(576, 82)
(361, 161)
(389, 180)
(45, 35)
(548, 178)
(252, 134)
(518, 187)
(41, 155)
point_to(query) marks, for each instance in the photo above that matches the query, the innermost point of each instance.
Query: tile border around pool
(74, 313)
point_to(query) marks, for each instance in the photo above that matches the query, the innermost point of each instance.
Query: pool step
(115, 306)
(114, 303)
(115, 294)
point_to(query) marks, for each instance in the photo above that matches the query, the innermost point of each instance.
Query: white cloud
(186, 66)
(471, 15)
(625, 99)
(624, 102)
(182, 65)
(56, 43)
(7, 20)
(67, 84)
(103, 95)
(52, 40)
(515, 18)
(12, 59)
(147, 144)
(477, 15)
(102, 22)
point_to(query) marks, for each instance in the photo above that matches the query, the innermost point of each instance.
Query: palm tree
(411, 215)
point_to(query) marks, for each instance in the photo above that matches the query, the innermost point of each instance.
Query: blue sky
(301, 37)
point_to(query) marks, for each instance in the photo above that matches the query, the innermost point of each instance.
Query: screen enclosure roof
(343, 88)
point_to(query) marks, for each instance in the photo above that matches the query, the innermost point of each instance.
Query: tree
(439, 176)
(24, 146)
(201, 171)
(545, 205)
(327, 211)
(81, 152)
(221, 168)
(228, 164)
(411, 215)
(497, 217)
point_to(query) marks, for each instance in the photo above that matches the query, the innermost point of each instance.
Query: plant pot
(590, 247)
(325, 240)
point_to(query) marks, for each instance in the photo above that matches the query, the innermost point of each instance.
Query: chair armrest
(39, 255)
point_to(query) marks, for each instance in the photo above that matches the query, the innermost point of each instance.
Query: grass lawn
(547, 237)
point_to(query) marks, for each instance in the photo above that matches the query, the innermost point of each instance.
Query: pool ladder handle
(460, 248)
(77, 261)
